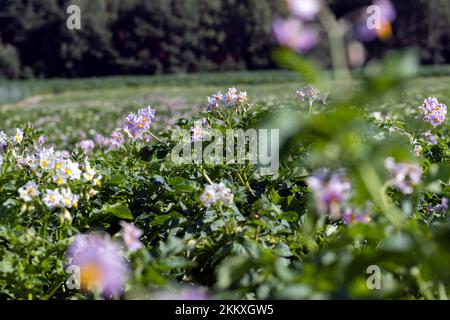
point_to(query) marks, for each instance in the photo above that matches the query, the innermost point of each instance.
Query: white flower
(46, 158)
(216, 193)
(89, 173)
(52, 199)
(3, 140)
(70, 170)
(18, 137)
(305, 9)
(68, 199)
(208, 196)
(28, 191)
(97, 181)
(59, 180)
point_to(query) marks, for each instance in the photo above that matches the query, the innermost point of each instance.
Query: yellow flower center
(90, 276)
(385, 31)
(58, 166)
(68, 171)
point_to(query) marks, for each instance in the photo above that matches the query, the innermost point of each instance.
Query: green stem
(156, 138)
(377, 191)
(415, 272)
(44, 232)
(335, 34)
(203, 172)
(53, 291)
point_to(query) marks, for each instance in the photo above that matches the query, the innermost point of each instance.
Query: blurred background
(138, 37)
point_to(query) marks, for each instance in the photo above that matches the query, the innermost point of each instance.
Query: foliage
(270, 243)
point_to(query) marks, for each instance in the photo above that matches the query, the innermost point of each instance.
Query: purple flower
(330, 190)
(440, 208)
(101, 262)
(137, 124)
(134, 127)
(117, 138)
(311, 94)
(292, 33)
(433, 111)
(241, 98)
(100, 140)
(130, 235)
(147, 115)
(387, 9)
(214, 102)
(41, 140)
(197, 133)
(305, 9)
(230, 98)
(431, 138)
(351, 216)
(86, 145)
(404, 175)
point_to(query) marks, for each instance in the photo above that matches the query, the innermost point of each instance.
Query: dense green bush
(9, 61)
(159, 36)
(139, 37)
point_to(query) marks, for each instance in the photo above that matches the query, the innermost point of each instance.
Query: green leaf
(231, 270)
(119, 210)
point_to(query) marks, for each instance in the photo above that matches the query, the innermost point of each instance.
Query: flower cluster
(228, 100)
(136, 126)
(433, 111)
(311, 94)
(216, 194)
(404, 175)
(51, 168)
(330, 190)
(101, 264)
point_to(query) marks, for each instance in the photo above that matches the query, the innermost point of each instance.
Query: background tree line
(165, 36)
